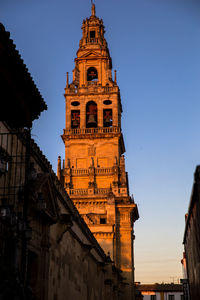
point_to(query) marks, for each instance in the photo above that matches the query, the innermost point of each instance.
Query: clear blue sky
(155, 47)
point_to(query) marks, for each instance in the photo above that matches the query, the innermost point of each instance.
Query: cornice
(103, 234)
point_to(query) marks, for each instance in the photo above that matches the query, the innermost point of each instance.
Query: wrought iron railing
(12, 166)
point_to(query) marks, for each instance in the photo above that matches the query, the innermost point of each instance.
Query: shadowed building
(94, 172)
(21, 104)
(191, 239)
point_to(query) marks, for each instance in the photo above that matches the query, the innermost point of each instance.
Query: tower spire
(93, 8)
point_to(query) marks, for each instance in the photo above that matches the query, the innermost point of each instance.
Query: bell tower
(93, 171)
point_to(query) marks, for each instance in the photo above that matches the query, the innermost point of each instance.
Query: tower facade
(93, 171)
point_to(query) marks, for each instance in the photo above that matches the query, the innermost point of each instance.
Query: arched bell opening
(92, 74)
(75, 119)
(91, 115)
(107, 118)
(92, 34)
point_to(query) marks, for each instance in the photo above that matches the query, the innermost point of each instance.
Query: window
(3, 162)
(170, 297)
(3, 165)
(107, 117)
(107, 102)
(92, 74)
(75, 119)
(153, 297)
(75, 103)
(102, 220)
(92, 34)
(91, 115)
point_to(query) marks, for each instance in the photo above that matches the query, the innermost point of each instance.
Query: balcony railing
(92, 41)
(79, 171)
(91, 83)
(98, 130)
(94, 86)
(98, 171)
(108, 89)
(79, 192)
(12, 166)
(103, 191)
(83, 192)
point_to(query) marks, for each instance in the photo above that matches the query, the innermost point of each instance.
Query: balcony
(98, 171)
(79, 172)
(92, 83)
(103, 171)
(86, 192)
(80, 192)
(93, 87)
(92, 41)
(85, 131)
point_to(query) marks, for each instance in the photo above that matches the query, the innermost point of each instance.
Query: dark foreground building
(191, 239)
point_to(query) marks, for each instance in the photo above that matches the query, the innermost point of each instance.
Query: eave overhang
(21, 102)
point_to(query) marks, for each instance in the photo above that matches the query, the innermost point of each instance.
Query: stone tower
(93, 171)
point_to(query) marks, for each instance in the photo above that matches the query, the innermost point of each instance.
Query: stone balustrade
(79, 171)
(101, 130)
(91, 83)
(102, 191)
(93, 86)
(103, 171)
(98, 171)
(83, 192)
(78, 191)
(92, 41)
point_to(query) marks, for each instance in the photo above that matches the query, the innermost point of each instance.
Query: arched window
(92, 74)
(91, 115)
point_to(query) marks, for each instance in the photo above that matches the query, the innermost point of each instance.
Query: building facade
(19, 217)
(93, 172)
(161, 291)
(184, 280)
(191, 239)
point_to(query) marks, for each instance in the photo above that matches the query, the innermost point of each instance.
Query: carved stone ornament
(91, 150)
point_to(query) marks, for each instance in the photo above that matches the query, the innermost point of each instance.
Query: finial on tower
(59, 168)
(115, 76)
(93, 8)
(67, 85)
